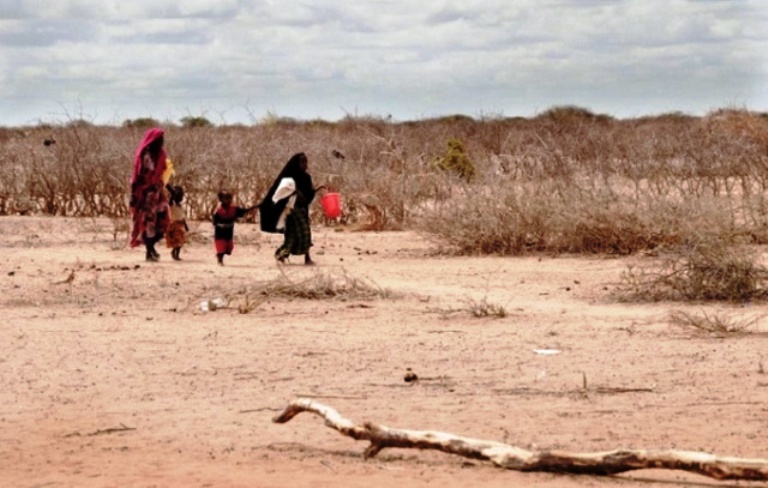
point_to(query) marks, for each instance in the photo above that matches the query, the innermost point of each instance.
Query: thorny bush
(566, 180)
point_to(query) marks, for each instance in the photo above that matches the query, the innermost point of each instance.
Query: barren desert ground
(117, 378)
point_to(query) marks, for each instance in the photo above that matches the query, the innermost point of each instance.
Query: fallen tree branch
(514, 458)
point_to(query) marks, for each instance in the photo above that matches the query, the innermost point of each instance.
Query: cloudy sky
(238, 61)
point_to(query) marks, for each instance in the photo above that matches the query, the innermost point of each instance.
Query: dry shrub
(600, 222)
(558, 217)
(717, 324)
(517, 220)
(483, 308)
(479, 309)
(483, 222)
(366, 212)
(567, 180)
(75, 176)
(319, 286)
(706, 268)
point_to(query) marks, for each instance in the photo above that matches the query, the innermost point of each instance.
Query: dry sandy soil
(119, 379)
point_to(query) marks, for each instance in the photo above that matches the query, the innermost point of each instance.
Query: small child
(224, 224)
(178, 228)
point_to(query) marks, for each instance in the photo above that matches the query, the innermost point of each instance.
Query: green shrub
(456, 160)
(195, 122)
(141, 123)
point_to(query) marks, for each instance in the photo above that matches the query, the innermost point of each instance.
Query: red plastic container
(331, 203)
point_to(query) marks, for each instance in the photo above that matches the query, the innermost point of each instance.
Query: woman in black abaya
(285, 209)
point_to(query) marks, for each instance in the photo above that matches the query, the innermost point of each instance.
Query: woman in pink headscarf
(149, 204)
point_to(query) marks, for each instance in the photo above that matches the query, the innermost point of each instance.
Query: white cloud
(309, 58)
(115, 9)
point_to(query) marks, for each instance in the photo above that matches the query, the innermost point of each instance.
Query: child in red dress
(224, 224)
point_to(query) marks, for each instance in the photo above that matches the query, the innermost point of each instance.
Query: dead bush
(557, 217)
(717, 324)
(483, 308)
(706, 268)
(487, 223)
(318, 286)
(480, 309)
(568, 180)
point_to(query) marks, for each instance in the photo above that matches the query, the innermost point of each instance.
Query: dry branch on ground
(518, 459)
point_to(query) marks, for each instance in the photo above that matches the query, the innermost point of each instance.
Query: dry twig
(111, 430)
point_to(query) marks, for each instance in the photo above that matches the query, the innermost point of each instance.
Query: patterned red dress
(149, 204)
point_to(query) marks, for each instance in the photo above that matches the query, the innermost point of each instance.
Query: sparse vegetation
(483, 308)
(716, 323)
(707, 268)
(318, 286)
(476, 308)
(567, 180)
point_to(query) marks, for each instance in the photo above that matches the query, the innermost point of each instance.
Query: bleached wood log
(518, 459)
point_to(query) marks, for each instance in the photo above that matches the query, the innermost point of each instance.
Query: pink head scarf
(150, 136)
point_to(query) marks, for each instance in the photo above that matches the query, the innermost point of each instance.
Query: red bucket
(331, 203)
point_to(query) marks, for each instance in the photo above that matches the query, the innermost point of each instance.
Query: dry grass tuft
(476, 308)
(716, 324)
(319, 286)
(483, 308)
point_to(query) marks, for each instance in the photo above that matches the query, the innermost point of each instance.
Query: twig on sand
(609, 390)
(510, 457)
(111, 430)
(66, 281)
(262, 409)
(335, 397)
(328, 465)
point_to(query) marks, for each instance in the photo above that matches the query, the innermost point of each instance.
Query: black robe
(269, 212)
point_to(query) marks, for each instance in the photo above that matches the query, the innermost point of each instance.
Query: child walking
(178, 228)
(224, 224)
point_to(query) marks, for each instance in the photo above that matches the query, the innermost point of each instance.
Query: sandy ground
(119, 379)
